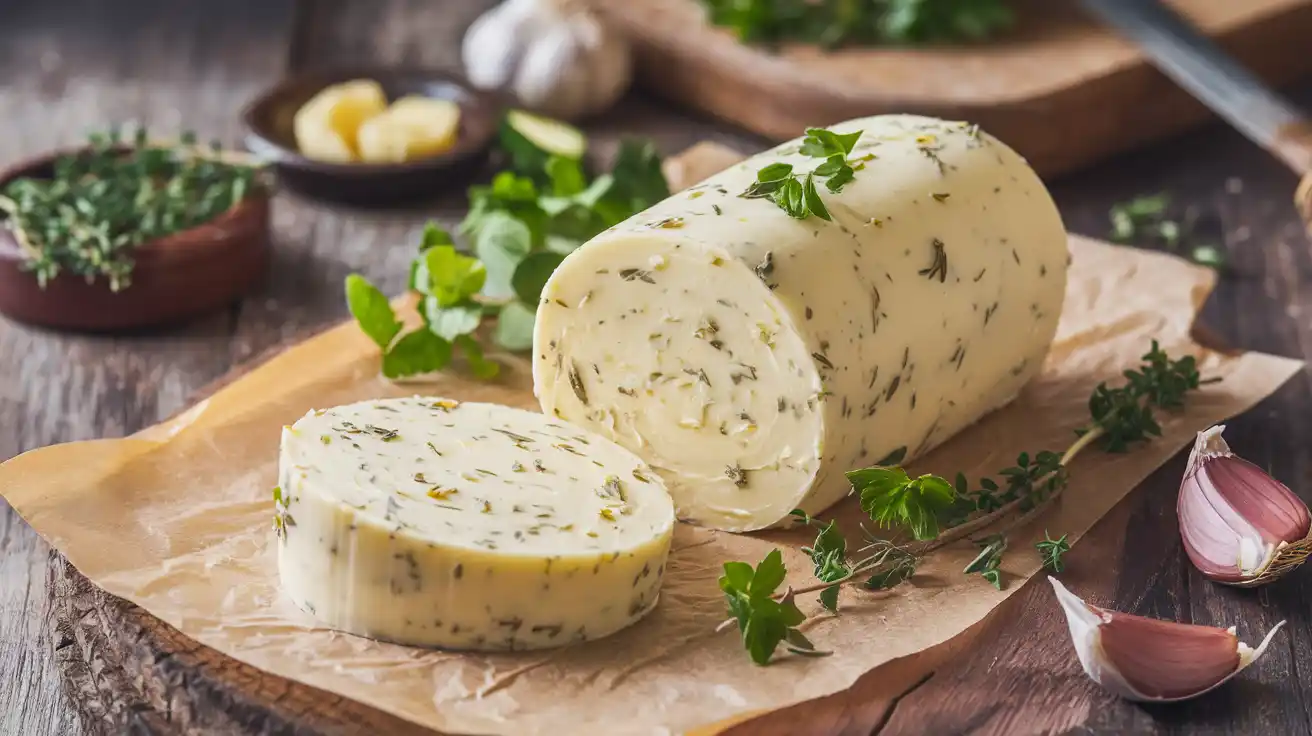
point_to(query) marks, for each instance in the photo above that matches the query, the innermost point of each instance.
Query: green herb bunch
(519, 227)
(100, 204)
(935, 512)
(797, 195)
(832, 23)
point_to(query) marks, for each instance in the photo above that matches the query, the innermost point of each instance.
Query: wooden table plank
(68, 68)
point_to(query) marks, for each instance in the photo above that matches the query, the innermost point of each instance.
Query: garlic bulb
(1240, 526)
(556, 56)
(1148, 660)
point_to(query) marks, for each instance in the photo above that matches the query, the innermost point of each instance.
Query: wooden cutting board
(1059, 88)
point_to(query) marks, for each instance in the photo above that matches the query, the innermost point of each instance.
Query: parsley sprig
(764, 619)
(935, 512)
(520, 226)
(795, 193)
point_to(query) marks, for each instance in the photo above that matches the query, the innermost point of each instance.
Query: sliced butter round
(431, 522)
(752, 358)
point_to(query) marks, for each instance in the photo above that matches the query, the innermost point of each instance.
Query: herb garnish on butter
(798, 196)
(936, 512)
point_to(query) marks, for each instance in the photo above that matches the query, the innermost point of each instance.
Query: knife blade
(1203, 69)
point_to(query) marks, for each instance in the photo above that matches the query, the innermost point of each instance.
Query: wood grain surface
(1059, 87)
(73, 660)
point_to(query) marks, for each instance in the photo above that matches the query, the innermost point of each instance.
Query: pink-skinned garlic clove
(1149, 660)
(1239, 525)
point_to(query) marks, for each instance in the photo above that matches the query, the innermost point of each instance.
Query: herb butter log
(752, 357)
(473, 526)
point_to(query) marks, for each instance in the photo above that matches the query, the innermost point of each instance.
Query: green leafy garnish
(372, 310)
(891, 498)
(798, 196)
(763, 621)
(861, 22)
(829, 555)
(520, 227)
(989, 560)
(1052, 551)
(1124, 415)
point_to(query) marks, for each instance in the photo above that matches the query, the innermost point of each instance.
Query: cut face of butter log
(473, 526)
(752, 358)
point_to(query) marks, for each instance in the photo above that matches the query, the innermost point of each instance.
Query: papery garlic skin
(556, 56)
(1149, 660)
(1239, 525)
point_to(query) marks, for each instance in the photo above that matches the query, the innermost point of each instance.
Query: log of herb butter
(761, 333)
(431, 522)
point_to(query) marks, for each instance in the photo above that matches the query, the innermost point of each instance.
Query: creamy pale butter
(432, 522)
(752, 358)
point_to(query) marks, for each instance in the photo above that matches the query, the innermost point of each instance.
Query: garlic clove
(1149, 660)
(1239, 525)
(495, 42)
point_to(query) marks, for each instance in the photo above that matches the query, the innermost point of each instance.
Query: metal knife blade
(1208, 73)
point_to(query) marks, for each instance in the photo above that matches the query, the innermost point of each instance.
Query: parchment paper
(177, 520)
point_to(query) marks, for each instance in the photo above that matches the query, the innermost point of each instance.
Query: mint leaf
(434, 236)
(501, 243)
(532, 273)
(417, 352)
(566, 176)
(451, 276)
(639, 181)
(769, 575)
(451, 322)
(514, 330)
(478, 365)
(371, 309)
(737, 577)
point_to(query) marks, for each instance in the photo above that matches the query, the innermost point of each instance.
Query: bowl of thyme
(128, 232)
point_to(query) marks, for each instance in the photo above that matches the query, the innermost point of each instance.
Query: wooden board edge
(1041, 128)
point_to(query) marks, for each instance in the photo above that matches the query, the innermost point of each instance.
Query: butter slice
(431, 522)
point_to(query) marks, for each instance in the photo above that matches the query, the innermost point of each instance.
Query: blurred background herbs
(103, 202)
(832, 23)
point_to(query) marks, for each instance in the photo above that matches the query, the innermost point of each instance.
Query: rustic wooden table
(70, 66)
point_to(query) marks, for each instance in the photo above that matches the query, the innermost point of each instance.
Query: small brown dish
(269, 117)
(174, 278)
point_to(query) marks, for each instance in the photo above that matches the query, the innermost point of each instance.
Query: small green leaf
(813, 201)
(416, 352)
(453, 321)
(737, 577)
(894, 457)
(769, 575)
(452, 277)
(478, 365)
(765, 629)
(503, 241)
(532, 273)
(566, 176)
(830, 166)
(514, 329)
(1208, 255)
(371, 309)
(434, 236)
(774, 172)
(829, 598)
(840, 179)
(822, 143)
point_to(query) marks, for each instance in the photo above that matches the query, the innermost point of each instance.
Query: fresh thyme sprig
(797, 195)
(937, 513)
(101, 203)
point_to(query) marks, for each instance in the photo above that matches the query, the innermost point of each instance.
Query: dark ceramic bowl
(174, 279)
(269, 117)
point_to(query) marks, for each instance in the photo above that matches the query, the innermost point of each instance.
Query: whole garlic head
(555, 56)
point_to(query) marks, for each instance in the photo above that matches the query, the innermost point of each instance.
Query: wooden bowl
(174, 279)
(268, 121)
